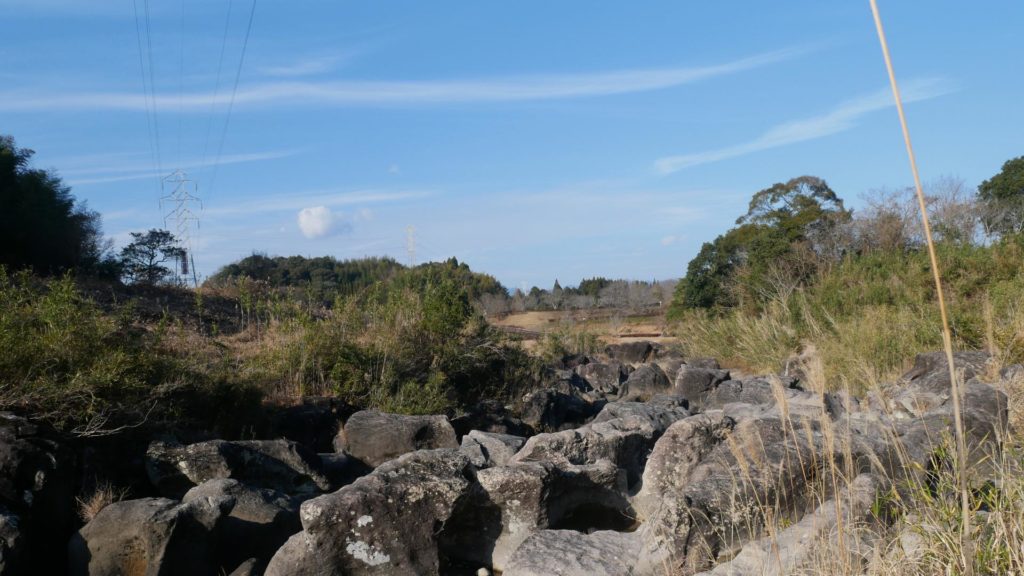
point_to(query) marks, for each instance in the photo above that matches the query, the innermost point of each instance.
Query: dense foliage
(1003, 199)
(42, 227)
(325, 276)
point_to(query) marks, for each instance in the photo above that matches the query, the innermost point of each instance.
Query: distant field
(611, 325)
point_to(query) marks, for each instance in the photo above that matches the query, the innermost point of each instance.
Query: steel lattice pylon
(180, 194)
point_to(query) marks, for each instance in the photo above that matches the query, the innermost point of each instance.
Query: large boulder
(695, 383)
(630, 352)
(388, 522)
(277, 464)
(644, 383)
(706, 483)
(37, 488)
(572, 553)
(486, 449)
(150, 536)
(606, 378)
(801, 547)
(260, 521)
(623, 433)
(927, 386)
(517, 500)
(557, 409)
(376, 437)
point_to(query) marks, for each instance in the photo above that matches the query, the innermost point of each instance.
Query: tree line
(794, 231)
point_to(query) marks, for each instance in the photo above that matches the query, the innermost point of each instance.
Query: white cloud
(282, 202)
(669, 240)
(375, 93)
(841, 118)
(316, 222)
(307, 67)
(141, 171)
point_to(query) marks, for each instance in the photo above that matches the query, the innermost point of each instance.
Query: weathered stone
(549, 410)
(630, 352)
(572, 553)
(488, 449)
(260, 521)
(376, 437)
(645, 382)
(605, 378)
(706, 482)
(277, 464)
(150, 536)
(623, 433)
(522, 498)
(797, 548)
(695, 384)
(387, 522)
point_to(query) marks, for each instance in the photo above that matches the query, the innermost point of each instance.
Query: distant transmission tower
(179, 195)
(410, 244)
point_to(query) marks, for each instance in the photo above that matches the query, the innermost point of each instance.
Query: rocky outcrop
(623, 434)
(150, 536)
(260, 521)
(277, 464)
(572, 553)
(605, 378)
(557, 409)
(376, 437)
(487, 449)
(630, 352)
(389, 522)
(644, 383)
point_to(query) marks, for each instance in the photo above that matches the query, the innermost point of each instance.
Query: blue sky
(533, 140)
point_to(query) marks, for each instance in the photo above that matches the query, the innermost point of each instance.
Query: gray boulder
(623, 433)
(11, 541)
(630, 352)
(376, 437)
(520, 499)
(605, 378)
(706, 481)
(486, 449)
(150, 536)
(553, 409)
(644, 383)
(277, 464)
(695, 383)
(388, 522)
(572, 553)
(260, 521)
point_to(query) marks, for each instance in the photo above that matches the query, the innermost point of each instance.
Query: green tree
(785, 226)
(41, 225)
(1002, 199)
(144, 259)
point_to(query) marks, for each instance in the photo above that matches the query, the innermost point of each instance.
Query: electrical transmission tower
(179, 195)
(410, 244)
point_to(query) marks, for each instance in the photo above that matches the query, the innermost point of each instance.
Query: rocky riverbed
(637, 461)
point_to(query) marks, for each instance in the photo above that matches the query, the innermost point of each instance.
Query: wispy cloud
(841, 118)
(281, 203)
(141, 171)
(364, 93)
(308, 66)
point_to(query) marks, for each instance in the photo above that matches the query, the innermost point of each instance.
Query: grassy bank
(868, 315)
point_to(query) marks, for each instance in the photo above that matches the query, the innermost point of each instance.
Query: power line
(153, 148)
(231, 102)
(216, 87)
(152, 87)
